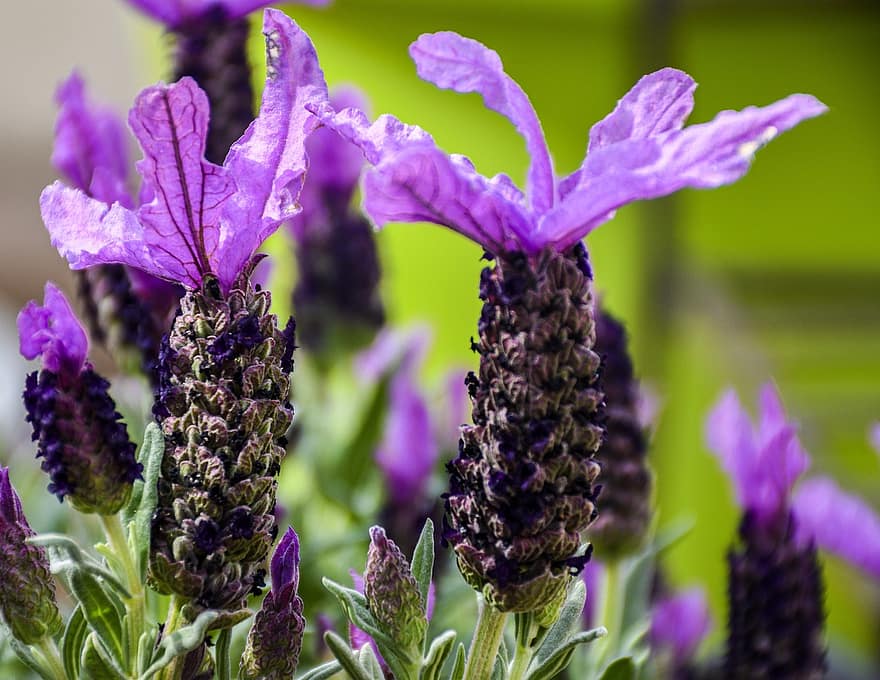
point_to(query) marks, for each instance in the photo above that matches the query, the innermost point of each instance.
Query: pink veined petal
(269, 161)
(451, 61)
(700, 156)
(422, 184)
(173, 13)
(378, 140)
(839, 522)
(53, 332)
(182, 222)
(658, 103)
(88, 232)
(90, 145)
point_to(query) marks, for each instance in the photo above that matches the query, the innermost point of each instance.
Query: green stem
(527, 630)
(221, 654)
(610, 612)
(484, 646)
(51, 658)
(172, 621)
(521, 660)
(135, 605)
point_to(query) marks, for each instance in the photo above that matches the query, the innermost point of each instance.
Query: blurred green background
(776, 277)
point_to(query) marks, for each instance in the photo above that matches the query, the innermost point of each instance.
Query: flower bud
(275, 639)
(27, 592)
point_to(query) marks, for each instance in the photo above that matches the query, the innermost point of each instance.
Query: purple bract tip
(53, 332)
(284, 567)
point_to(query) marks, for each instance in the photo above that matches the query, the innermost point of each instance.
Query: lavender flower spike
(27, 591)
(775, 624)
(679, 624)
(83, 443)
(639, 151)
(174, 13)
(203, 219)
(275, 638)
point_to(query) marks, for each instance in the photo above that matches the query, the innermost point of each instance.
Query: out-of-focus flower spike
(679, 623)
(27, 590)
(81, 438)
(392, 592)
(275, 638)
(625, 499)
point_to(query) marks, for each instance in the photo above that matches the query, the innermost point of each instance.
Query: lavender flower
(679, 623)
(223, 397)
(335, 310)
(625, 500)
(275, 638)
(775, 612)
(521, 489)
(874, 436)
(83, 443)
(126, 311)
(27, 591)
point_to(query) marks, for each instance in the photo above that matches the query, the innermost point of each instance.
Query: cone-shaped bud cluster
(80, 436)
(775, 596)
(392, 592)
(211, 48)
(275, 639)
(521, 489)
(27, 592)
(625, 499)
(223, 406)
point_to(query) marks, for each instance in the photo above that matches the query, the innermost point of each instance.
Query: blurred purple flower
(53, 333)
(680, 622)
(173, 13)
(453, 409)
(639, 151)
(199, 218)
(874, 436)
(763, 462)
(594, 579)
(838, 522)
(393, 350)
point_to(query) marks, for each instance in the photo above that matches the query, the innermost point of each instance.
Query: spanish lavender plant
(80, 437)
(211, 48)
(522, 489)
(223, 388)
(776, 617)
(275, 638)
(336, 298)
(27, 591)
(625, 499)
(125, 310)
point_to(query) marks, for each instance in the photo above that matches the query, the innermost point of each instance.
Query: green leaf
(423, 561)
(103, 611)
(621, 669)
(146, 648)
(221, 654)
(72, 643)
(322, 672)
(569, 617)
(370, 663)
(96, 665)
(26, 656)
(139, 512)
(458, 667)
(550, 666)
(181, 641)
(358, 454)
(67, 557)
(437, 655)
(345, 656)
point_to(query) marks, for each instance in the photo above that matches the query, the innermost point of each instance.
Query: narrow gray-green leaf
(623, 668)
(103, 612)
(354, 604)
(370, 663)
(437, 654)
(72, 643)
(26, 656)
(458, 667)
(552, 667)
(141, 512)
(553, 664)
(66, 556)
(322, 672)
(146, 648)
(345, 656)
(181, 641)
(569, 616)
(423, 561)
(96, 665)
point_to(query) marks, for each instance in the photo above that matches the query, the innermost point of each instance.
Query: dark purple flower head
(173, 13)
(639, 151)
(90, 145)
(334, 169)
(763, 462)
(199, 218)
(838, 522)
(680, 622)
(53, 333)
(284, 567)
